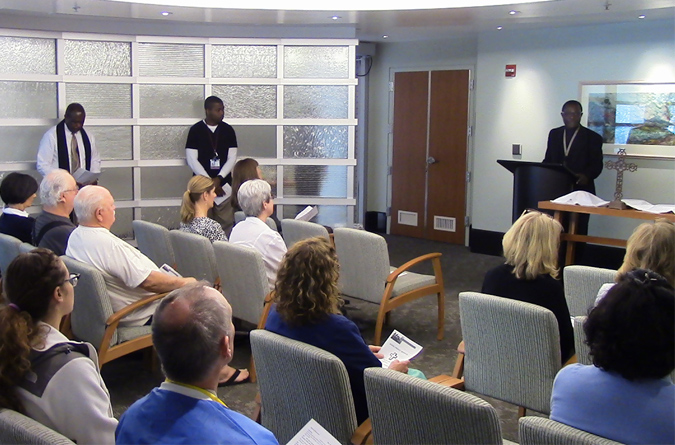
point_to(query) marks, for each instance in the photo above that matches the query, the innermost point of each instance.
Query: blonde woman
(530, 271)
(198, 199)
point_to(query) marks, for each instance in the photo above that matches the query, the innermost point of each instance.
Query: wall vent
(407, 218)
(445, 223)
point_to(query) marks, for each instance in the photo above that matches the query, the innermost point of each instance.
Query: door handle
(431, 160)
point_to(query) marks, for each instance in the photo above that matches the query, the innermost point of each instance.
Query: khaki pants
(224, 214)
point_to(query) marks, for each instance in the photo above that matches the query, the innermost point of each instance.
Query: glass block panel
(164, 182)
(120, 182)
(163, 142)
(168, 217)
(92, 58)
(316, 101)
(316, 141)
(20, 144)
(101, 100)
(28, 100)
(122, 226)
(326, 181)
(113, 143)
(20, 55)
(332, 216)
(256, 141)
(169, 59)
(269, 174)
(38, 177)
(248, 101)
(316, 62)
(243, 61)
(172, 101)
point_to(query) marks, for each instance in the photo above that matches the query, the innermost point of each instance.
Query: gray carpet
(130, 378)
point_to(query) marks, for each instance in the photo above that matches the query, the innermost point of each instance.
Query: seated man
(255, 199)
(53, 226)
(193, 334)
(129, 275)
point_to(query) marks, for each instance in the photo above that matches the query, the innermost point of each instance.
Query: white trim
(316, 201)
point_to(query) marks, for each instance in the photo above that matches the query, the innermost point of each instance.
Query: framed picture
(639, 117)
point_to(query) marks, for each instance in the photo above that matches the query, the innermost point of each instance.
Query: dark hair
(573, 102)
(188, 344)
(244, 170)
(16, 188)
(74, 108)
(632, 329)
(211, 101)
(29, 286)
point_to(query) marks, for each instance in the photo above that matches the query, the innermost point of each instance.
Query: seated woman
(43, 374)
(244, 170)
(17, 191)
(307, 299)
(530, 271)
(197, 201)
(627, 394)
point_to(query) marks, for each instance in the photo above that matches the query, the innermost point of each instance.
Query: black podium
(534, 182)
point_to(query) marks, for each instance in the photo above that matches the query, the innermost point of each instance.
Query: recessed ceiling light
(336, 17)
(641, 16)
(385, 36)
(165, 13)
(499, 28)
(513, 12)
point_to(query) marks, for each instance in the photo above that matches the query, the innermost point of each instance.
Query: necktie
(74, 155)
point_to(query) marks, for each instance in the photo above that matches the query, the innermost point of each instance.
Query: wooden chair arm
(117, 316)
(449, 381)
(363, 433)
(394, 275)
(267, 305)
(460, 347)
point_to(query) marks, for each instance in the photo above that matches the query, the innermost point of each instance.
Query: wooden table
(574, 210)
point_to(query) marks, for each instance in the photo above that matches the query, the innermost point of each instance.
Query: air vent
(407, 218)
(445, 224)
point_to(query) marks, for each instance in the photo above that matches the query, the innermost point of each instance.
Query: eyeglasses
(71, 190)
(74, 277)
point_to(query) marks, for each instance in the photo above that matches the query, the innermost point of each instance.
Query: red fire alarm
(510, 71)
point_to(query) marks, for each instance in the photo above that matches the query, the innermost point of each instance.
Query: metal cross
(620, 166)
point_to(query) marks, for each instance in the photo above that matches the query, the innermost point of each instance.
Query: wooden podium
(534, 182)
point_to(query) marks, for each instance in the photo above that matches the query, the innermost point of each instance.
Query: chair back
(17, 428)
(512, 349)
(364, 263)
(295, 230)
(299, 382)
(538, 430)
(581, 285)
(580, 346)
(194, 256)
(153, 241)
(26, 247)
(9, 249)
(239, 216)
(243, 279)
(439, 414)
(92, 303)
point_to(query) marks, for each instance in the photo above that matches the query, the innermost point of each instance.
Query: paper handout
(227, 188)
(639, 204)
(398, 347)
(165, 268)
(307, 213)
(313, 434)
(581, 198)
(85, 176)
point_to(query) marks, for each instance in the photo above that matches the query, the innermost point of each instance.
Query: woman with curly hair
(43, 374)
(627, 394)
(306, 309)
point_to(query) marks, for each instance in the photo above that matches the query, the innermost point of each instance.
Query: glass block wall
(291, 103)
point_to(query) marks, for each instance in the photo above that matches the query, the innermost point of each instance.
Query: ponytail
(197, 185)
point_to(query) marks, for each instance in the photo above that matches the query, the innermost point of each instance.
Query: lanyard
(213, 136)
(201, 390)
(565, 145)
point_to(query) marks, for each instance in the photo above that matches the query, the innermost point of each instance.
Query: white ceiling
(399, 25)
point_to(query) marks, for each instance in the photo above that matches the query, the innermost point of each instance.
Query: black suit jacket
(585, 155)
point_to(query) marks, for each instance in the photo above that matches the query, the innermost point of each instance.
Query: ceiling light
(499, 28)
(165, 13)
(641, 16)
(513, 12)
(385, 36)
(336, 17)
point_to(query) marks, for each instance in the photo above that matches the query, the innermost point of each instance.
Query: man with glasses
(53, 225)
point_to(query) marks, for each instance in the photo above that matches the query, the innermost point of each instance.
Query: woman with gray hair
(255, 199)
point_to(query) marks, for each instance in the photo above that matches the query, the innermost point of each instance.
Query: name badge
(215, 163)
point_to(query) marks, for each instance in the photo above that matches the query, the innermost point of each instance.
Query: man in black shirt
(211, 150)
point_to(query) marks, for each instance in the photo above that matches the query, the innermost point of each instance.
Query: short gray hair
(252, 195)
(53, 185)
(88, 200)
(188, 343)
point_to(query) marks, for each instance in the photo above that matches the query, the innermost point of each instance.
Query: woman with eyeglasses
(43, 374)
(627, 394)
(530, 271)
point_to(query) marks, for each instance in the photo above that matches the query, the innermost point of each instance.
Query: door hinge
(391, 87)
(391, 170)
(468, 176)
(466, 221)
(470, 84)
(469, 131)
(388, 211)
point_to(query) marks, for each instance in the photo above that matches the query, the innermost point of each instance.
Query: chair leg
(387, 318)
(251, 371)
(521, 411)
(441, 314)
(378, 326)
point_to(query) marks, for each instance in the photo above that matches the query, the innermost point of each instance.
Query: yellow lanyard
(201, 390)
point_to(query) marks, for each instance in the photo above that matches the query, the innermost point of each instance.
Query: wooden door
(430, 155)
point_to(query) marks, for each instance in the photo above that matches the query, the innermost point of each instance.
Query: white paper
(640, 204)
(169, 270)
(227, 188)
(398, 347)
(85, 176)
(307, 213)
(313, 434)
(581, 198)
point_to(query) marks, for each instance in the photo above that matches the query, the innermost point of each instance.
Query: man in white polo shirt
(129, 275)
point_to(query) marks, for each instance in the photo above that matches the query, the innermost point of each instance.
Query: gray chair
(539, 430)
(299, 382)
(153, 241)
(94, 321)
(16, 428)
(581, 286)
(194, 256)
(26, 247)
(9, 249)
(239, 216)
(365, 274)
(407, 410)
(580, 346)
(512, 350)
(295, 230)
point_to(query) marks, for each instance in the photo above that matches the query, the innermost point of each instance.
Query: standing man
(69, 147)
(211, 150)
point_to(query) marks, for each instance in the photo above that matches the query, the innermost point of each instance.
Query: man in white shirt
(69, 147)
(255, 199)
(129, 275)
